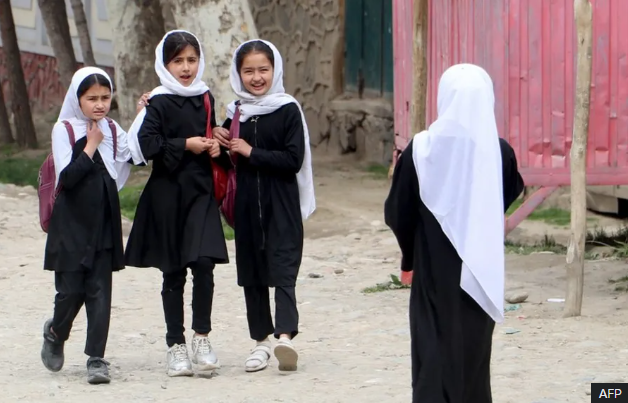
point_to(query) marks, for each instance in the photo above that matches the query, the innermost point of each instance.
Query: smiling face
(184, 66)
(96, 102)
(257, 73)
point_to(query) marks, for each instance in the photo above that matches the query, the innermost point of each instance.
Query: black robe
(268, 224)
(451, 334)
(86, 216)
(177, 219)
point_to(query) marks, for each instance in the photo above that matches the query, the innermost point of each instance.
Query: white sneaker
(258, 360)
(178, 361)
(286, 355)
(203, 356)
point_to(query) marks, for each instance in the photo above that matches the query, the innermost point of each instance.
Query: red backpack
(46, 190)
(224, 180)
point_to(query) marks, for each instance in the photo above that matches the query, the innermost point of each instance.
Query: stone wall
(310, 35)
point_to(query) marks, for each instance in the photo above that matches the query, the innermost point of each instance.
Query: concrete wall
(310, 36)
(308, 33)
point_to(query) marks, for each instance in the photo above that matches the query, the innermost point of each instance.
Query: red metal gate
(528, 48)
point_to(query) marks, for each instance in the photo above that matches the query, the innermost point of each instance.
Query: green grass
(22, 171)
(621, 284)
(19, 171)
(547, 244)
(553, 216)
(393, 284)
(130, 196)
(377, 171)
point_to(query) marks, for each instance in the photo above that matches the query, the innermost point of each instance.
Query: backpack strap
(114, 134)
(208, 108)
(70, 130)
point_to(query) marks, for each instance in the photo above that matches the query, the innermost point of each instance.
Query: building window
(368, 48)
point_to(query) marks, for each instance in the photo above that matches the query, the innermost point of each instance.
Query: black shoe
(97, 371)
(52, 350)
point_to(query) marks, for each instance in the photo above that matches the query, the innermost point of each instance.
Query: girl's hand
(214, 148)
(143, 101)
(222, 135)
(94, 135)
(197, 144)
(241, 147)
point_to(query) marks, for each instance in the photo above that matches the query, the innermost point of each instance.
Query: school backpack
(228, 204)
(224, 180)
(46, 190)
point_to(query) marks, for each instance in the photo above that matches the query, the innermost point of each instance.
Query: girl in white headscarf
(177, 223)
(275, 193)
(84, 244)
(451, 188)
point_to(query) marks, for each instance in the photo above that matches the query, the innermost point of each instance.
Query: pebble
(516, 297)
(339, 271)
(315, 275)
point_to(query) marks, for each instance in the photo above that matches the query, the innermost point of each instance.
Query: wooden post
(419, 70)
(583, 16)
(419, 65)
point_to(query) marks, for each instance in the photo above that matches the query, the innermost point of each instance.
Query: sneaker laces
(180, 352)
(202, 345)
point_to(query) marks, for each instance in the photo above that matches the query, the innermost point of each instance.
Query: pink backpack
(228, 204)
(46, 189)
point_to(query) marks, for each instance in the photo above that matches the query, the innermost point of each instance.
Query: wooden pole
(419, 69)
(419, 65)
(583, 16)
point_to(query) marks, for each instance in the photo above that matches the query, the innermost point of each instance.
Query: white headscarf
(458, 163)
(275, 98)
(169, 85)
(71, 111)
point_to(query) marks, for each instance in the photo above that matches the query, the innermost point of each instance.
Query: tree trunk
(5, 127)
(138, 26)
(83, 33)
(220, 25)
(55, 18)
(166, 11)
(20, 106)
(583, 16)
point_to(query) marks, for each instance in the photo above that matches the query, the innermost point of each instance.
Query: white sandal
(258, 360)
(286, 355)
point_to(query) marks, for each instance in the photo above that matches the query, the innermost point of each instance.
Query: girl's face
(256, 73)
(184, 66)
(96, 102)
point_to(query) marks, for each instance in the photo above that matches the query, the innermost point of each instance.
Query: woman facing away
(84, 244)
(275, 193)
(451, 188)
(177, 223)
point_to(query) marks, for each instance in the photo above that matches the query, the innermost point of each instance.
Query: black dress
(451, 334)
(177, 219)
(84, 246)
(268, 223)
(86, 216)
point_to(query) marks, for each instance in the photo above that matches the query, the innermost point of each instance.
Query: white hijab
(169, 85)
(458, 163)
(275, 98)
(71, 111)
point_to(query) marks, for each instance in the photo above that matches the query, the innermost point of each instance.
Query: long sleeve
(401, 209)
(154, 145)
(290, 158)
(123, 156)
(512, 181)
(69, 170)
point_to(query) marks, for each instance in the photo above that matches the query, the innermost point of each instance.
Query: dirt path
(354, 347)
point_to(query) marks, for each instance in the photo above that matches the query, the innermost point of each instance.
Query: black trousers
(202, 298)
(91, 287)
(258, 312)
